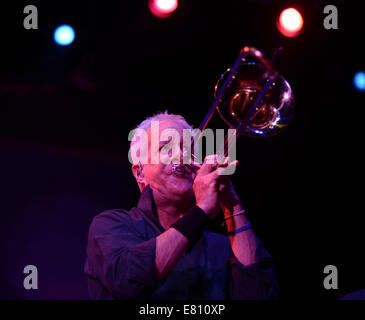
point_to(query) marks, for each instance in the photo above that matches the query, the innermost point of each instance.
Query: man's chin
(182, 175)
(182, 188)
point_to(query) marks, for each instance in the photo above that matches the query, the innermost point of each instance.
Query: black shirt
(120, 262)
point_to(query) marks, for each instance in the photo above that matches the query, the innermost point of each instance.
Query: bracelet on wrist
(240, 213)
(243, 228)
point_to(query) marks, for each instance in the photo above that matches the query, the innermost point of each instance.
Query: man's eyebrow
(163, 143)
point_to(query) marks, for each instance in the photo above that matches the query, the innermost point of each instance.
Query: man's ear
(137, 170)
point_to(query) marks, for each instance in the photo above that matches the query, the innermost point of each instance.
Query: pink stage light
(290, 22)
(162, 8)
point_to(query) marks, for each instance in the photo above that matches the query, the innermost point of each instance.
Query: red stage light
(162, 8)
(290, 22)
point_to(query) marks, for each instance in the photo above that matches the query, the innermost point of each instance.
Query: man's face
(161, 177)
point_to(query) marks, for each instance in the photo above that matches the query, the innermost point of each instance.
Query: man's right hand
(206, 186)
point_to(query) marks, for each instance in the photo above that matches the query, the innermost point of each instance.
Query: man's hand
(206, 186)
(228, 197)
(210, 185)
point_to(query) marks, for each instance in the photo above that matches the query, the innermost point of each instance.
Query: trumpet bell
(273, 109)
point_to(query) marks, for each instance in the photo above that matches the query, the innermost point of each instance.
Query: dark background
(65, 115)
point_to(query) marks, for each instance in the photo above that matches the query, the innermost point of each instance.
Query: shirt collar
(147, 204)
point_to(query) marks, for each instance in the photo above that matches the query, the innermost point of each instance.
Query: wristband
(243, 228)
(191, 224)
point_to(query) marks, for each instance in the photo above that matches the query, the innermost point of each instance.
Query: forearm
(244, 244)
(184, 233)
(170, 246)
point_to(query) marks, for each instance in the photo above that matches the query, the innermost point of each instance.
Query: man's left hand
(228, 197)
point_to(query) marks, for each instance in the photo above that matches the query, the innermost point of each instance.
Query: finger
(211, 159)
(210, 163)
(227, 162)
(213, 179)
(228, 170)
(224, 162)
(214, 161)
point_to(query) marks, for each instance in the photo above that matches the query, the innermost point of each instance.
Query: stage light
(162, 8)
(64, 35)
(290, 22)
(359, 80)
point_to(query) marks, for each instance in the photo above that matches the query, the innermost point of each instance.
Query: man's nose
(182, 154)
(179, 156)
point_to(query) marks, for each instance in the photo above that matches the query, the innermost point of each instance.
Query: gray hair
(161, 116)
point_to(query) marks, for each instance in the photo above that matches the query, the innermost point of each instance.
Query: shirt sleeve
(253, 282)
(123, 262)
